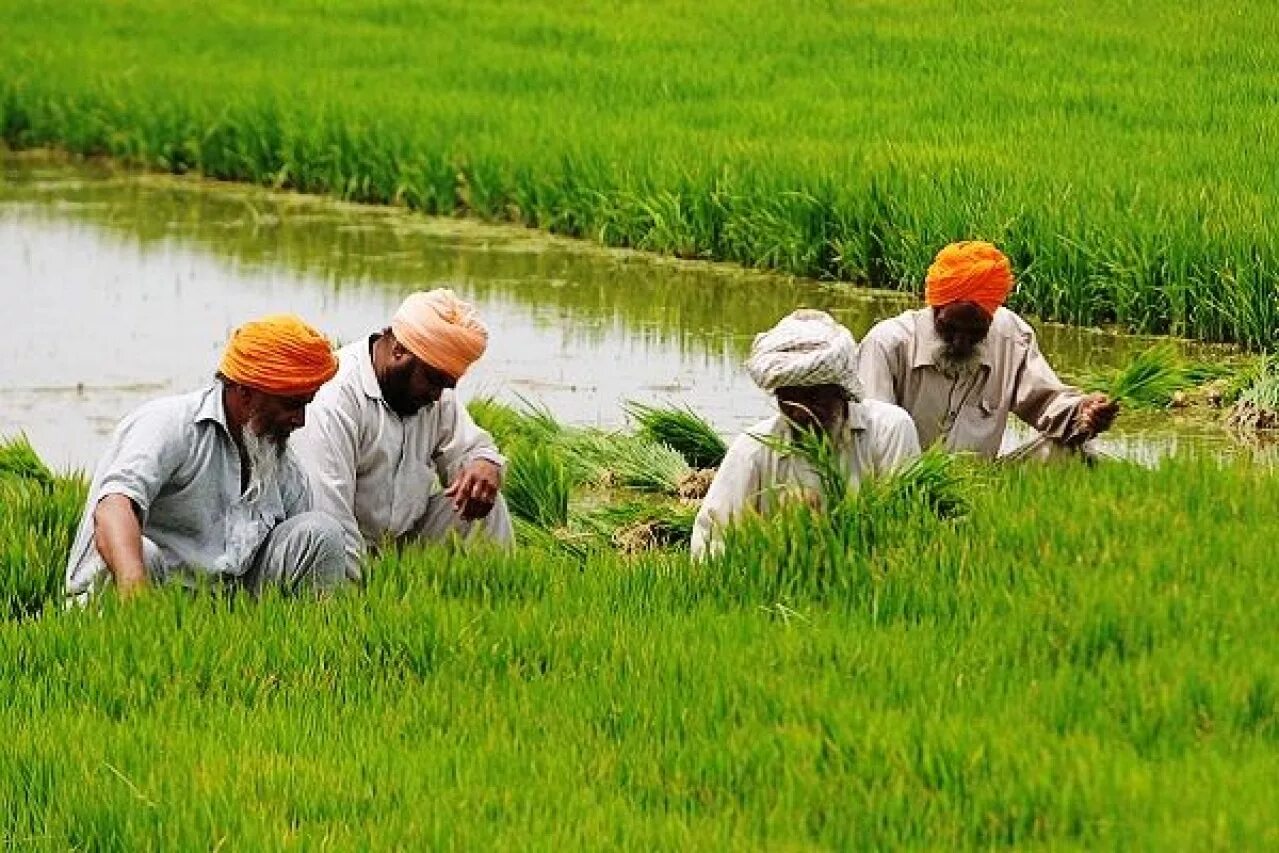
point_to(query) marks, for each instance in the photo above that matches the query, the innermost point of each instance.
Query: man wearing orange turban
(392, 453)
(201, 488)
(961, 365)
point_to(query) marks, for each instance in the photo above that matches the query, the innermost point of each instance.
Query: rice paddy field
(963, 657)
(1122, 153)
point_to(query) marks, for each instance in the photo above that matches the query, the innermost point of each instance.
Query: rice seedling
(681, 429)
(1257, 408)
(629, 461)
(19, 459)
(537, 486)
(1150, 381)
(633, 526)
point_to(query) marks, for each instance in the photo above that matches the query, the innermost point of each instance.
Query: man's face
(962, 326)
(274, 417)
(409, 384)
(820, 408)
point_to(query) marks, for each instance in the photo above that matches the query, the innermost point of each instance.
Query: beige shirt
(373, 470)
(175, 459)
(970, 412)
(878, 438)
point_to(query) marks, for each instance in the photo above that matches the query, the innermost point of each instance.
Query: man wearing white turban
(809, 363)
(392, 453)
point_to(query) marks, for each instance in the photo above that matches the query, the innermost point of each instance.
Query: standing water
(119, 288)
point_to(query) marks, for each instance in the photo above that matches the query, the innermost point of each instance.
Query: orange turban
(972, 271)
(441, 330)
(279, 354)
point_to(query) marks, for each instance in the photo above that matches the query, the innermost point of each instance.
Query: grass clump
(537, 486)
(681, 429)
(1257, 408)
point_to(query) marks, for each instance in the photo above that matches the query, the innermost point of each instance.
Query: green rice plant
(1257, 407)
(617, 460)
(537, 486)
(1150, 380)
(19, 459)
(507, 424)
(639, 525)
(681, 429)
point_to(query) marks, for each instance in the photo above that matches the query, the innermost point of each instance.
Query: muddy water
(118, 288)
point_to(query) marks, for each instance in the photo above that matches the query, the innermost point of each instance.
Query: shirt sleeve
(875, 371)
(1041, 399)
(148, 448)
(462, 441)
(899, 442)
(732, 492)
(328, 447)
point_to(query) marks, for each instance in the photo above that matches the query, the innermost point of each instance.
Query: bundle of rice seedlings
(19, 459)
(681, 429)
(537, 486)
(636, 526)
(1257, 408)
(1149, 381)
(508, 424)
(627, 461)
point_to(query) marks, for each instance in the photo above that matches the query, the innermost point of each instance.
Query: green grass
(681, 429)
(1056, 656)
(1121, 154)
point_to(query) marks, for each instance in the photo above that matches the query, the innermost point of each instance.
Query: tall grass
(1084, 658)
(681, 429)
(813, 141)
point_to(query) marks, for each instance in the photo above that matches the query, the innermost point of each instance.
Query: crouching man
(809, 363)
(392, 453)
(201, 488)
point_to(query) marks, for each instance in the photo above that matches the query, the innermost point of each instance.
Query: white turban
(806, 348)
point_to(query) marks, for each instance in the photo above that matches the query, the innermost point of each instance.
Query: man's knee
(318, 541)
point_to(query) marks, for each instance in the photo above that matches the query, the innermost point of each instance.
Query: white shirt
(878, 438)
(176, 460)
(968, 412)
(373, 470)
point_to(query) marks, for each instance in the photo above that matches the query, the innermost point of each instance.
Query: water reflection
(120, 288)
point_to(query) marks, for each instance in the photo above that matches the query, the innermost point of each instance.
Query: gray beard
(953, 367)
(265, 456)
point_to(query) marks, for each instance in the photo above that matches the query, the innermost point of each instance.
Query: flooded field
(121, 287)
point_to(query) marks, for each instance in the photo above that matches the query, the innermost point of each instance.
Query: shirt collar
(364, 365)
(926, 342)
(212, 407)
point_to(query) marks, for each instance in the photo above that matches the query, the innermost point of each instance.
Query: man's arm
(468, 462)
(732, 492)
(328, 448)
(1041, 399)
(117, 534)
(875, 370)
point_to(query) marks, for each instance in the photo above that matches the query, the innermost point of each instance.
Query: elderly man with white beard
(201, 488)
(808, 362)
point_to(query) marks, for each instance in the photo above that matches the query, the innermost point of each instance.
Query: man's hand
(474, 490)
(1096, 413)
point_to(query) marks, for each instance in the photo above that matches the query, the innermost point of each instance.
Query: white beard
(265, 456)
(957, 368)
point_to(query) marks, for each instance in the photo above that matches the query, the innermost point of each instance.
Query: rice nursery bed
(1064, 656)
(1122, 156)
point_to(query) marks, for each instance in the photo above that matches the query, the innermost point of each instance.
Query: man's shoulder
(176, 411)
(1008, 325)
(895, 331)
(886, 416)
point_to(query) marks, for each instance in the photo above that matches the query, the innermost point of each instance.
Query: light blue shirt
(176, 460)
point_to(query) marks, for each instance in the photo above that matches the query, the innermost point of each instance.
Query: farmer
(391, 451)
(807, 361)
(200, 488)
(960, 365)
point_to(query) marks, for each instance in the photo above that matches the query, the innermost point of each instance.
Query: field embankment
(1123, 155)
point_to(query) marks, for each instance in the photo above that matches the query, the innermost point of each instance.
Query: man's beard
(265, 453)
(956, 366)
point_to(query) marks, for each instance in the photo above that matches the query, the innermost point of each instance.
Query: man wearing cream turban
(393, 455)
(961, 365)
(808, 362)
(201, 488)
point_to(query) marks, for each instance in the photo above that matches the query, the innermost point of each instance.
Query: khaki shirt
(878, 438)
(373, 470)
(176, 460)
(896, 364)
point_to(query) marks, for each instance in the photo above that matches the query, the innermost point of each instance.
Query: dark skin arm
(118, 538)
(474, 490)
